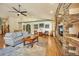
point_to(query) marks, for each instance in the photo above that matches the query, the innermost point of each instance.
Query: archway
(28, 28)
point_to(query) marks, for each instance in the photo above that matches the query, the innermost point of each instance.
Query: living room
(39, 29)
(23, 21)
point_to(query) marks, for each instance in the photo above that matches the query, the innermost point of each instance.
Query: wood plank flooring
(1, 41)
(53, 47)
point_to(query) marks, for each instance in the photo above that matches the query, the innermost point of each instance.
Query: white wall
(40, 29)
(13, 22)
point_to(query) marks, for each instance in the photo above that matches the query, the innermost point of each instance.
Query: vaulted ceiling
(38, 10)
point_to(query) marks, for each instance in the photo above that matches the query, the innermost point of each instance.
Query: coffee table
(30, 40)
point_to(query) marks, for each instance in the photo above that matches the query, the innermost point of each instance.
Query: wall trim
(35, 21)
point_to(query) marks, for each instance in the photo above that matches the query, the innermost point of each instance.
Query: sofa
(14, 38)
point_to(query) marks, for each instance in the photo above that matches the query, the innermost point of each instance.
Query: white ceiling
(38, 10)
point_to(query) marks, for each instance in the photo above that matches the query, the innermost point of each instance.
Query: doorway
(28, 28)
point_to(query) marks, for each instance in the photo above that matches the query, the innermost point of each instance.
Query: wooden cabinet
(73, 46)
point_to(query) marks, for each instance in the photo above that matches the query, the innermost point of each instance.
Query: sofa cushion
(8, 34)
(12, 34)
(18, 38)
(18, 34)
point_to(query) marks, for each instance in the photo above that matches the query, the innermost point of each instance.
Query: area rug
(37, 50)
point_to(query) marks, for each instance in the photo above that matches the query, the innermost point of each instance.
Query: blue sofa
(14, 38)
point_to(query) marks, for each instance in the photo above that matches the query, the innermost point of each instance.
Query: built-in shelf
(73, 45)
(73, 40)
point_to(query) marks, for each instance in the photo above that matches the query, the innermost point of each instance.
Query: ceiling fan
(19, 11)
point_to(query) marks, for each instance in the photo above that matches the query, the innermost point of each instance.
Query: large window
(47, 26)
(35, 26)
(41, 25)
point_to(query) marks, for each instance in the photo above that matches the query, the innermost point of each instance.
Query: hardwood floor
(1, 41)
(53, 47)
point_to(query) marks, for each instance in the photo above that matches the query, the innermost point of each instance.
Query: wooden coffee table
(30, 40)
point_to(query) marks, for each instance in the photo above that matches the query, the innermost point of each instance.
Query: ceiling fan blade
(19, 11)
(15, 9)
(24, 14)
(23, 11)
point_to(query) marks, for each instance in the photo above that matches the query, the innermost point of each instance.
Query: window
(41, 25)
(47, 26)
(35, 26)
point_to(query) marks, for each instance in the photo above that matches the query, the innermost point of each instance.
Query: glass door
(28, 28)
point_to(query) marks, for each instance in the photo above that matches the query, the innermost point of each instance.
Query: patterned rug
(37, 50)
